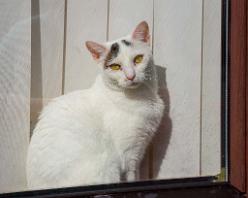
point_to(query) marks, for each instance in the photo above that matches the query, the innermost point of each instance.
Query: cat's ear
(96, 50)
(141, 32)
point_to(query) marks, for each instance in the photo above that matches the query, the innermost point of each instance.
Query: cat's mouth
(132, 85)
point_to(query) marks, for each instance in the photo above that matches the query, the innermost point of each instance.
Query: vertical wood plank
(124, 16)
(246, 99)
(86, 20)
(211, 89)
(47, 53)
(177, 47)
(15, 49)
(238, 75)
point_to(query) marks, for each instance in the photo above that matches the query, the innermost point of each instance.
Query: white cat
(100, 135)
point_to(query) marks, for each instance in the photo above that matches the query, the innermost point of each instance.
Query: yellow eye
(138, 59)
(115, 67)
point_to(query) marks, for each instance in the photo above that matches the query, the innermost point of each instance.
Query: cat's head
(125, 61)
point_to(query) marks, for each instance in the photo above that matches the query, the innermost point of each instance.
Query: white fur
(98, 135)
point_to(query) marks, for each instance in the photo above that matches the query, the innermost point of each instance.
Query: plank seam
(64, 49)
(108, 10)
(150, 158)
(201, 89)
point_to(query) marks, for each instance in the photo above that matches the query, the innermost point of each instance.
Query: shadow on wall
(161, 140)
(36, 64)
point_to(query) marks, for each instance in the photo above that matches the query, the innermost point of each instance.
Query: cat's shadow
(158, 148)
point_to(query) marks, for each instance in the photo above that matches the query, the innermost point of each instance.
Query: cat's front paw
(131, 176)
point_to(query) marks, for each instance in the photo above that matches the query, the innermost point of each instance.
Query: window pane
(154, 112)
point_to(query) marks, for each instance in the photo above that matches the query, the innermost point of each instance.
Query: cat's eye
(115, 67)
(138, 59)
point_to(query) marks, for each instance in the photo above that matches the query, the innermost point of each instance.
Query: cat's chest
(131, 129)
(130, 118)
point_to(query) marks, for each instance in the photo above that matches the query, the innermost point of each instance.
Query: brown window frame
(234, 119)
(238, 91)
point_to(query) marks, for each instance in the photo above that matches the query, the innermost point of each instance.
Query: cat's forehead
(121, 42)
(117, 47)
(124, 46)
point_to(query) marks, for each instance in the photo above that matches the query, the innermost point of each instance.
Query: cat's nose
(131, 77)
(129, 72)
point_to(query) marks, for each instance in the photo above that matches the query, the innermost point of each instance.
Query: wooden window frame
(238, 90)
(234, 119)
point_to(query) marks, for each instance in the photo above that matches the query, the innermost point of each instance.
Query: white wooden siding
(15, 48)
(125, 15)
(186, 43)
(86, 20)
(177, 47)
(47, 53)
(211, 89)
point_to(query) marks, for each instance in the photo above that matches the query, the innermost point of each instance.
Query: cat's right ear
(96, 50)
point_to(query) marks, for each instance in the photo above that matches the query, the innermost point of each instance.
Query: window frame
(234, 110)
(238, 95)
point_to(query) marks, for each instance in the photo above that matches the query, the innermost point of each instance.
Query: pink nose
(131, 77)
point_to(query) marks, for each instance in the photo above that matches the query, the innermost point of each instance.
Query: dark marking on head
(127, 43)
(113, 53)
(114, 50)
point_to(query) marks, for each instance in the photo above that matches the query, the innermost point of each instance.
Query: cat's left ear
(97, 50)
(141, 32)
